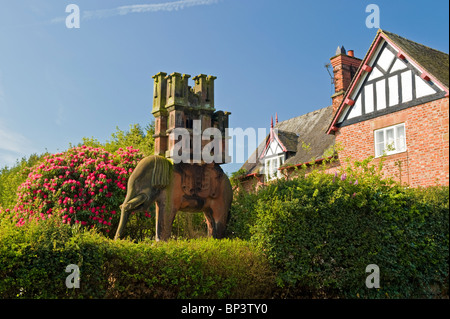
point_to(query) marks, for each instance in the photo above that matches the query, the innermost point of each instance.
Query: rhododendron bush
(84, 185)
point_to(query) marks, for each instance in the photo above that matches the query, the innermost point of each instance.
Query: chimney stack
(345, 66)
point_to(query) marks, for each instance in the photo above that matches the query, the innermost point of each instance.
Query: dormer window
(271, 167)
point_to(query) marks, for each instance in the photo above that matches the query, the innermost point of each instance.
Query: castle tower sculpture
(178, 105)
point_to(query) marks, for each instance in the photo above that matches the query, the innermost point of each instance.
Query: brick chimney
(344, 66)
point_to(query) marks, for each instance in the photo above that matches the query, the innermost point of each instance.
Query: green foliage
(12, 177)
(242, 214)
(234, 178)
(82, 185)
(33, 259)
(321, 231)
(137, 137)
(189, 225)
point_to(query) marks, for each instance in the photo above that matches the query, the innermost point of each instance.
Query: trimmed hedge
(320, 232)
(33, 260)
(308, 237)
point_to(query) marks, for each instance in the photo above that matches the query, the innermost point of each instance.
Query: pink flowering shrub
(5, 213)
(83, 185)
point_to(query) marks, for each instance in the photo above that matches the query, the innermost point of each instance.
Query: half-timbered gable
(396, 106)
(389, 81)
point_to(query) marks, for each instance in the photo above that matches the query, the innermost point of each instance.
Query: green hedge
(308, 237)
(320, 232)
(33, 260)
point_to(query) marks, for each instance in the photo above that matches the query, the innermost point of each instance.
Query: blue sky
(58, 85)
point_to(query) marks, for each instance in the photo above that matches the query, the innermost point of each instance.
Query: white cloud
(13, 146)
(7, 159)
(12, 141)
(142, 8)
(138, 8)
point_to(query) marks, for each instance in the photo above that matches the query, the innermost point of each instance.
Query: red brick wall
(426, 161)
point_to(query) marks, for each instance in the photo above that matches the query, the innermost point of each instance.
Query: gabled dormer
(395, 74)
(280, 145)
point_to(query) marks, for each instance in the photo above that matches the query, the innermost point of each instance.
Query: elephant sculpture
(178, 187)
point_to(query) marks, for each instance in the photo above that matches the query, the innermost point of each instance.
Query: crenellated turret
(177, 105)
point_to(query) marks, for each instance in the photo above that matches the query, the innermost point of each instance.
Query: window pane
(273, 168)
(267, 168)
(401, 141)
(379, 148)
(379, 143)
(270, 167)
(277, 172)
(379, 137)
(390, 146)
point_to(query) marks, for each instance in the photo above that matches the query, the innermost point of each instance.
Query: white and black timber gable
(389, 80)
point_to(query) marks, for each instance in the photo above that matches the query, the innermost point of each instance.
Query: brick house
(393, 102)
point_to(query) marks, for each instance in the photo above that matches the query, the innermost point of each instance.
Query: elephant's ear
(161, 172)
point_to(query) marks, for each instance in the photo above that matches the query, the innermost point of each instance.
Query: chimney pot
(351, 53)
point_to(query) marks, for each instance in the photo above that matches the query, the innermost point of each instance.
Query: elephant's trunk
(123, 221)
(151, 175)
(126, 208)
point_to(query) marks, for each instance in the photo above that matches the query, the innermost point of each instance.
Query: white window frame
(271, 167)
(390, 135)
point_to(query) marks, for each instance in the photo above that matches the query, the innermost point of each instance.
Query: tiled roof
(434, 61)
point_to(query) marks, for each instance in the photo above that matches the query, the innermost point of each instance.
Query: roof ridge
(292, 118)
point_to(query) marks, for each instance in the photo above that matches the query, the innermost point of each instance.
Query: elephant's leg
(210, 222)
(165, 215)
(126, 209)
(219, 216)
